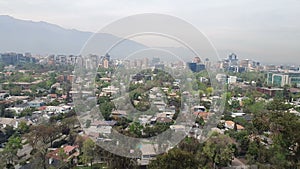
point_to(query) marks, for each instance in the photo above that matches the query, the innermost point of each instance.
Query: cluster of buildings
(39, 104)
(16, 58)
(90, 61)
(145, 63)
(232, 64)
(61, 60)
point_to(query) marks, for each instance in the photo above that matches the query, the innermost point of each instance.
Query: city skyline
(266, 31)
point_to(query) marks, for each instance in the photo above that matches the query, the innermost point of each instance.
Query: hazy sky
(265, 30)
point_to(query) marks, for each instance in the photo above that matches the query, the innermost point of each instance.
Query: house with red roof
(230, 125)
(66, 153)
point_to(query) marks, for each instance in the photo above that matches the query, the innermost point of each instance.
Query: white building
(8, 122)
(232, 79)
(58, 109)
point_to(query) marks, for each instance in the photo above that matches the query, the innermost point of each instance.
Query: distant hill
(45, 38)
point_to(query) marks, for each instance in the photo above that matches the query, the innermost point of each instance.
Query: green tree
(219, 149)
(209, 91)
(190, 144)
(88, 123)
(88, 151)
(136, 129)
(200, 121)
(15, 90)
(23, 127)
(175, 158)
(284, 127)
(11, 149)
(252, 153)
(120, 162)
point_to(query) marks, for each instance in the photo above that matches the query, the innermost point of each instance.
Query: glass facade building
(281, 79)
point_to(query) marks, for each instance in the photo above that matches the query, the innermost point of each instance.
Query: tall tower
(105, 63)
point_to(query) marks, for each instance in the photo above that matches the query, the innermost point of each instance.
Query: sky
(263, 30)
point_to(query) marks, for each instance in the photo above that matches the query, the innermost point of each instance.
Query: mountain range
(46, 38)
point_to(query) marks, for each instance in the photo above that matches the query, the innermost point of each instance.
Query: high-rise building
(145, 62)
(105, 63)
(245, 63)
(232, 58)
(155, 61)
(159, 66)
(107, 56)
(196, 67)
(281, 79)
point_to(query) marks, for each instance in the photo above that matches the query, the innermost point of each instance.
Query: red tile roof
(68, 149)
(204, 115)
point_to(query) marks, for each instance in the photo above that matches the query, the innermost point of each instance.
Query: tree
(9, 131)
(15, 91)
(105, 106)
(27, 112)
(175, 158)
(190, 144)
(252, 153)
(79, 141)
(261, 122)
(254, 108)
(11, 149)
(278, 105)
(219, 149)
(284, 126)
(257, 153)
(52, 132)
(279, 157)
(201, 94)
(88, 123)
(235, 104)
(200, 121)
(88, 151)
(40, 138)
(136, 129)
(121, 162)
(209, 91)
(23, 127)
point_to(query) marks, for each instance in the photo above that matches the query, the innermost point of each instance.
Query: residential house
(230, 125)
(8, 122)
(118, 114)
(204, 115)
(163, 120)
(148, 154)
(36, 103)
(68, 154)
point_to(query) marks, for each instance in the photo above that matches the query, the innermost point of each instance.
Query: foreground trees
(217, 151)
(9, 154)
(175, 158)
(275, 138)
(88, 151)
